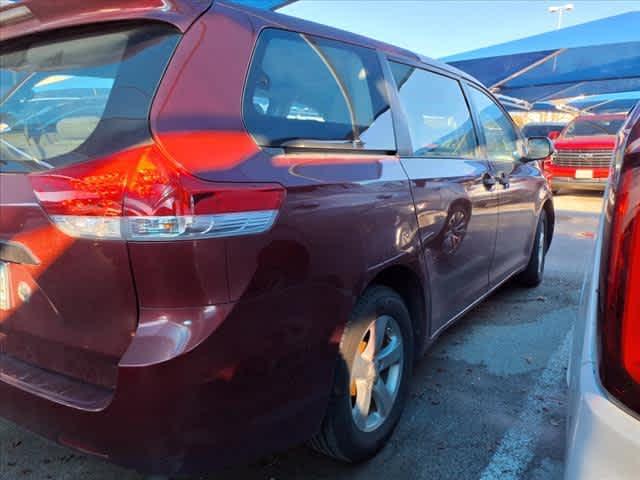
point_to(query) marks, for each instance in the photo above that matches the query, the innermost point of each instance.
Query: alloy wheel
(376, 373)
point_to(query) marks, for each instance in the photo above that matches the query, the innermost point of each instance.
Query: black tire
(339, 436)
(532, 275)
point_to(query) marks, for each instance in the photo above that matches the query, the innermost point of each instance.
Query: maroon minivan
(225, 231)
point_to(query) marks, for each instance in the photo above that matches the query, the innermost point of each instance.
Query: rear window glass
(585, 128)
(79, 96)
(305, 88)
(540, 130)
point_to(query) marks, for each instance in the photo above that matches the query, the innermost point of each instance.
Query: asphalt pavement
(487, 401)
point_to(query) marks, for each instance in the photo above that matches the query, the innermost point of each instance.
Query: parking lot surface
(487, 401)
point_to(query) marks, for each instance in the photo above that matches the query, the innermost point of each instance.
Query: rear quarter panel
(345, 218)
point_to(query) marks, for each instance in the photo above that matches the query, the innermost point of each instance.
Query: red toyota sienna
(224, 231)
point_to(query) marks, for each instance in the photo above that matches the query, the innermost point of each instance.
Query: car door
(518, 186)
(453, 191)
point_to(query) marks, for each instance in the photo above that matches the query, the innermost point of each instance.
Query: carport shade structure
(595, 58)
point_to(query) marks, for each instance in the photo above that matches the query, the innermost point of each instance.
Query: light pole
(560, 10)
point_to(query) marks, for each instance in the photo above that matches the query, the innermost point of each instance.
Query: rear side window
(306, 88)
(79, 96)
(437, 113)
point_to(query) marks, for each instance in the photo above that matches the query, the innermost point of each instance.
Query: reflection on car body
(248, 228)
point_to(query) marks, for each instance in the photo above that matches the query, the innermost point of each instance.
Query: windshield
(587, 128)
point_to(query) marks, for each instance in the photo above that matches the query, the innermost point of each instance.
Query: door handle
(503, 179)
(489, 181)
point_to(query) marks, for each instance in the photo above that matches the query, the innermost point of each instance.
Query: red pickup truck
(583, 152)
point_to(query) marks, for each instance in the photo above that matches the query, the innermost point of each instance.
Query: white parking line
(515, 452)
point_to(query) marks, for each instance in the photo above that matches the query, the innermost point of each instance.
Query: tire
(532, 275)
(342, 436)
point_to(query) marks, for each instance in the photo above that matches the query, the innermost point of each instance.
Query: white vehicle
(603, 437)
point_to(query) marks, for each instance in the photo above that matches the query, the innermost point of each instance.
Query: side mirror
(553, 135)
(538, 148)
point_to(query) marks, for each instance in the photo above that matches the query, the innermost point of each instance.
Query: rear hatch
(71, 102)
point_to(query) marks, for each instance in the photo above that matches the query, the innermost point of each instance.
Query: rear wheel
(532, 275)
(372, 378)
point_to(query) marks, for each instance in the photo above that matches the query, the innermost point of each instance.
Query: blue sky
(438, 28)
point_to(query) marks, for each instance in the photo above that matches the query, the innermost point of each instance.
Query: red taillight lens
(95, 189)
(141, 195)
(620, 292)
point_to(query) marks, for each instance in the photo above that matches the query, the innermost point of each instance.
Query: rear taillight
(620, 283)
(140, 195)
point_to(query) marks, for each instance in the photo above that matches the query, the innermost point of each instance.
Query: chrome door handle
(488, 180)
(503, 179)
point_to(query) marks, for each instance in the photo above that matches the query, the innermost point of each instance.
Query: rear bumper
(241, 391)
(565, 177)
(588, 184)
(603, 439)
